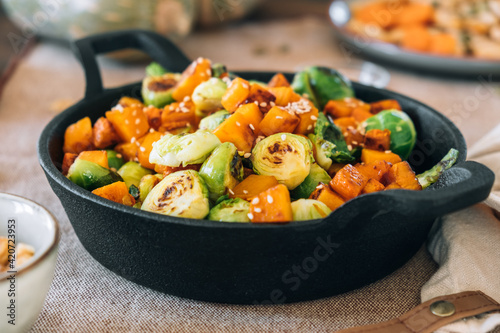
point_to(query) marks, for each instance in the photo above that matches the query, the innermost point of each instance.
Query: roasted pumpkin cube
(97, 156)
(126, 101)
(146, 147)
(104, 135)
(378, 139)
(271, 206)
(284, 95)
(345, 107)
(353, 137)
(252, 185)
(372, 186)
(154, 116)
(261, 97)
(235, 129)
(369, 155)
(374, 170)
(167, 170)
(307, 121)
(345, 123)
(236, 94)
(117, 192)
(129, 123)
(348, 182)
(128, 150)
(177, 115)
(78, 137)
(278, 80)
(252, 115)
(325, 194)
(199, 71)
(361, 113)
(277, 120)
(402, 174)
(386, 104)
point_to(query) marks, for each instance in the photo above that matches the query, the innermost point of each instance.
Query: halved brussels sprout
(328, 84)
(222, 170)
(90, 175)
(213, 121)
(403, 134)
(316, 175)
(155, 69)
(182, 193)
(287, 157)
(302, 86)
(231, 210)
(207, 96)
(157, 90)
(309, 209)
(185, 149)
(146, 185)
(132, 172)
(115, 160)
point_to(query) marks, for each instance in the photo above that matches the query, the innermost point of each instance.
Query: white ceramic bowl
(35, 226)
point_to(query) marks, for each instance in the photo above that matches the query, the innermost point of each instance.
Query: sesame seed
(247, 155)
(283, 137)
(250, 216)
(231, 191)
(398, 129)
(349, 147)
(309, 127)
(256, 103)
(151, 130)
(263, 104)
(199, 60)
(137, 121)
(119, 156)
(134, 113)
(258, 210)
(272, 104)
(387, 152)
(350, 128)
(255, 201)
(112, 169)
(245, 192)
(270, 199)
(133, 139)
(238, 123)
(138, 131)
(209, 72)
(251, 127)
(354, 142)
(171, 108)
(137, 143)
(345, 133)
(314, 117)
(279, 117)
(142, 149)
(126, 122)
(136, 159)
(187, 99)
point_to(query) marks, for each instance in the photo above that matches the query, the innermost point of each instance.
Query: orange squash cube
(372, 186)
(146, 147)
(386, 104)
(117, 192)
(97, 156)
(177, 115)
(236, 94)
(361, 113)
(307, 121)
(199, 71)
(374, 170)
(129, 123)
(252, 186)
(324, 194)
(378, 139)
(284, 95)
(126, 101)
(402, 174)
(78, 137)
(104, 134)
(278, 80)
(348, 182)
(261, 97)
(369, 156)
(271, 206)
(277, 120)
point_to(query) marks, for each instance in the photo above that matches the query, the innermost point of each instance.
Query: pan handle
(459, 187)
(158, 47)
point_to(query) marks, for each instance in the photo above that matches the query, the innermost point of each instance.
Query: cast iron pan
(361, 242)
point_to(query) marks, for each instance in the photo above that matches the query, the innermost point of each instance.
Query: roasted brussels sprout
(222, 170)
(287, 157)
(157, 90)
(155, 69)
(115, 160)
(316, 175)
(208, 95)
(132, 172)
(309, 209)
(431, 176)
(403, 134)
(182, 193)
(146, 185)
(302, 86)
(218, 70)
(185, 149)
(90, 175)
(213, 121)
(231, 210)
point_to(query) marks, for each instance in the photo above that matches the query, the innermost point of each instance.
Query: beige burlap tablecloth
(85, 297)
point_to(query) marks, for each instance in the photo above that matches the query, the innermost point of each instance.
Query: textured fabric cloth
(85, 297)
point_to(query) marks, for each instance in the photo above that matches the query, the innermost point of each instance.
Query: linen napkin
(466, 245)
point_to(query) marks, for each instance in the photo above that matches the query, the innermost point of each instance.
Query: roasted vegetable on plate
(207, 144)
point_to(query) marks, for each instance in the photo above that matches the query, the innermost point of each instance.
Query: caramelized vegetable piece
(372, 186)
(374, 170)
(334, 168)
(307, 121)
(284, 95)
(278, 80)
(348, 182)
(78, 137)
(271, 206)
(345, 122)
(386, 104)
(277, 120)
(199, 71)
(129, 123)
(166, 170)
(252, 186)
(378, 139)
(117, 192)
(261, 97)
(146, 147)
(236, 94)
(128, 150)
(104, 134)
(370, 156)
(345, 107)
(360, 114)
(325, 194)
(402, 174)
(393, 186)
(129, 101)
(68, 160)
(177, 115)
(97, 156)
(154, 116)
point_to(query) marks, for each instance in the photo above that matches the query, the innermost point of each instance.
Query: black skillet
(361, 242)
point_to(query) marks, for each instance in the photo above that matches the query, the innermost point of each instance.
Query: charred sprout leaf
(309, 209)
(146, 185)
(157, 90)
(330, 143)
(302, 86)
(232, 210)
(316, 175)
(184, 149)
(182, 193)
(213, 121)
(222, 198)
(403, 134)
(134, 191)
(218, 69)
(287, 157)
(115, 160)
(155, 69)
(132, 172)
(207, 96)
(222, 170)
(90, 175)
(328, 84)
(429, 177)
